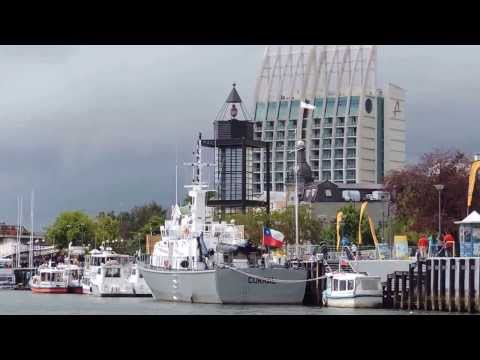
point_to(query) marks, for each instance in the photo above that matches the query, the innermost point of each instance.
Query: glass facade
(354, 104)
(342, 106)
(260, 112)
(272, 111)
(330, 107)
(294, 109)
(318, 112)
(283, 111)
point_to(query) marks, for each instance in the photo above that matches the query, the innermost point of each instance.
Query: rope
(270, 279)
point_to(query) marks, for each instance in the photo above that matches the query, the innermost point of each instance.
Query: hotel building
(355, 134)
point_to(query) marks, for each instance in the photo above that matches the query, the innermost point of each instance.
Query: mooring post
(471, 285)
(411, 287)
(461, 286)
(435, 285)
(395, 290)
(389, 290)
(428, 285)
(420, 282)
(403, 298)
(451, 286)
(443, 267)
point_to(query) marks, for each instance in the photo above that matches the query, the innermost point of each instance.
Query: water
(27, 303)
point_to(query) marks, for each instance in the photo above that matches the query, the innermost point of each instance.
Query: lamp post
(439, 188)
(298, 146)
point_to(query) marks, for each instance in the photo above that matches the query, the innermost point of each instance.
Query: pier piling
(461, 286)
(443, 267)
(435, 305)
(403, 297)
(420, 283)
(428, 285)
(451, 286)
(471, 285)
(411, 287)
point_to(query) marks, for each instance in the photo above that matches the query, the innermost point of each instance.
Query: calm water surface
(26, 303)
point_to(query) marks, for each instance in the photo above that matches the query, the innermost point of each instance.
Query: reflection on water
(26, 303)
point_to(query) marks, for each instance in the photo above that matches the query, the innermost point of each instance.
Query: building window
(279, 177)
(326, 164)
(351, 142)
(330, 108)
(339, 164)
(279, 156)
(290, 156)
(292, 124)
(327, 154)
(279, 187)
(279, 144)
(328, 122)
(269, 136)
(352, 131)
(294, 109)
(342, 105)
(260, 112)
(328, 193)
(352, 121)
(338, 175)
(351, 174)
(326, 175)
(283, 111)
(269, 125)
(351, 163)
(351, 153)
(279, 166)
(338, 142)
(327, 133)
(327, 142)
(304, 124)
(318, 113)
(316, 143)
(316, 134)
(280, 134)
(340, 122)
(354, 102)
(339, 153)
(339, 132)
(291, 134)
(281, 125)
(258, 125)
(291, 145)
(272, 111)
(317, 122)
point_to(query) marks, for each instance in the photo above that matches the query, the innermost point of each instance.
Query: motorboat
(49, 279)
(352, 290)
(7, 275)
(73, 276)
(107, 273)
(136, 280)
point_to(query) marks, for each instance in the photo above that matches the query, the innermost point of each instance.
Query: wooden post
(451, 286)
(471, 285)
(403, 298)
(389, 291)
(428, 285)
(317, 284)
(396, 279)
(411, 287)
(461, 286)
(443, 267)
(435, 285)
(420, 282)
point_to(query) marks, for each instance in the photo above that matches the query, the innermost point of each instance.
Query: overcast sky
(97, 127)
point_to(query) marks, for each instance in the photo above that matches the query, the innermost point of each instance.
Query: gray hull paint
(182, 286)
(236, 288)
(226, 286)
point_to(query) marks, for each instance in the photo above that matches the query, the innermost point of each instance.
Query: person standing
(354, 251)
(449, 243)
(423, 246)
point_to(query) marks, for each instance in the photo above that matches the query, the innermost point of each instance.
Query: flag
(272, 238)
(471, 181)
(304, 105)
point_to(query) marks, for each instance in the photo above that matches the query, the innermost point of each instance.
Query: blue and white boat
(353, 290)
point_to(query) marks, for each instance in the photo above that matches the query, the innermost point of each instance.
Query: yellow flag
(339, 219)
(362, 210)
(471, 181)
(372, 231)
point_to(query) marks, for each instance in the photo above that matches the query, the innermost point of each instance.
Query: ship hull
(358, 301)
(182, 286)
(50, 290)
(237, 288)
(225, 286)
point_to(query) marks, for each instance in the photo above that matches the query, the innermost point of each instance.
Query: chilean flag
(272, 238)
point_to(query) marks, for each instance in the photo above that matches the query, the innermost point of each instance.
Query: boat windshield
(51, 276)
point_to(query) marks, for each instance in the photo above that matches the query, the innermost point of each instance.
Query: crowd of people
(443, 247)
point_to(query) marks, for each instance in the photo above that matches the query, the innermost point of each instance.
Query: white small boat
(49, 279)
(139, 286)
(7, 276)
(353, 290)
(73, 276)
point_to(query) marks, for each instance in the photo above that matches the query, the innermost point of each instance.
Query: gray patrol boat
(202, 261)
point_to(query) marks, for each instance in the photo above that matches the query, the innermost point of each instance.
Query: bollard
(428, 285)
(389, 292)
(403, 298)
(461, 286)
(443, 267)
(471, 285)
(451, 286)
(420, 281)
(411, 287)
(435, 285)
(396, 279)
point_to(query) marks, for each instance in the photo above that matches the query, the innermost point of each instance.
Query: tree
(71, 226)
(415, 199)
(349, 228)
(107, 228)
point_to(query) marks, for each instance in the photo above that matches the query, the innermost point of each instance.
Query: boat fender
(184, 264)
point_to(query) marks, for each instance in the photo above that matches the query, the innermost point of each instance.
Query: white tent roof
(472, 218)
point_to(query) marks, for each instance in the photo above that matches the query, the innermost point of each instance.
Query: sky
(99, 128)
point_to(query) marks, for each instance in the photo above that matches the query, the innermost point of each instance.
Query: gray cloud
(99, 127)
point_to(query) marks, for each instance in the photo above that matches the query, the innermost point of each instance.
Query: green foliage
(71, 226)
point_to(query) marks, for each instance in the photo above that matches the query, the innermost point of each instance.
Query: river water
(27, 303)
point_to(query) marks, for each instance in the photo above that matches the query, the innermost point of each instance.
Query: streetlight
(299, 145)
(439, 188)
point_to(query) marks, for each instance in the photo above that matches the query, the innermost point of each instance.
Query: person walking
(423, 246)
(449, 243)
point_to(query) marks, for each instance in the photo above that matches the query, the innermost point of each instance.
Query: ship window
(335, 285)
(112, 272)
(350, 284)
(343, 285)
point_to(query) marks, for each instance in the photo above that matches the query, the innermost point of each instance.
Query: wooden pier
(436, 284)
(314, 289)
